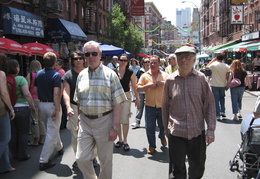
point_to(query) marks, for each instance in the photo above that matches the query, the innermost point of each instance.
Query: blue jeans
(236, 98)
(219, 95)
(20, 128)
(5, 136)
(140, 110)
(153, 114)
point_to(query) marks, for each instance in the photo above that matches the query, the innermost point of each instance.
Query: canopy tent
(110, 50)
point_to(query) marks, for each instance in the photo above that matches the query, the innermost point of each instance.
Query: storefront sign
(20, 22)
(251, 36)
(238, 1)
(237, 14)
(137, 7)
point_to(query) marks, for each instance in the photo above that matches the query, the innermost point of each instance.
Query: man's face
(93, 56)
(185, 60)
(115, 60)
(154, 64)
(78, 61)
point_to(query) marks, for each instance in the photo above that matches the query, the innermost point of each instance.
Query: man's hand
(55, 115)
(152, 85)
(209, 140)
(70, 112)
(112, 135)
(159, 83)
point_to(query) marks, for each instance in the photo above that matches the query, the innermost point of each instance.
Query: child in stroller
(248, 154)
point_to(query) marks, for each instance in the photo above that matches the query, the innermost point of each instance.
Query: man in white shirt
(218, 83)
(113, 64)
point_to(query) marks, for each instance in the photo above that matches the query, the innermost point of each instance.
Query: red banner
(137, 7)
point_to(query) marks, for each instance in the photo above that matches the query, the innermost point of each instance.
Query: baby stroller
(247, 159)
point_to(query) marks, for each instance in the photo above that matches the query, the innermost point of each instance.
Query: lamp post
(198, 22)
(149, 36)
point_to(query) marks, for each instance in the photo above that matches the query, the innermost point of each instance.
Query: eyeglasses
(187, 57)
(123, 60)
(147, 62)
(171, 58)
(78, 58)
(94, 54)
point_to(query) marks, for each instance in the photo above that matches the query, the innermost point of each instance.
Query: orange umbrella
(39, 49)
(12, 47)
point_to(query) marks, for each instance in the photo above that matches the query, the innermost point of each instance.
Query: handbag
(234, 82)
(3, 109)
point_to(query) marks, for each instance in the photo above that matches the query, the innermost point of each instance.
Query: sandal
(126, 147)
(118, 144)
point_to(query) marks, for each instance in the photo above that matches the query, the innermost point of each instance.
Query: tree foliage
(123, 34)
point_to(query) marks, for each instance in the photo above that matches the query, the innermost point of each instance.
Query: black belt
(46, 101)
(98, 116)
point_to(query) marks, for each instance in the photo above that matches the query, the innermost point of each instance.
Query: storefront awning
(213, 49)
(240, 47)
(19, 22)
(65, 30)
(254, 47)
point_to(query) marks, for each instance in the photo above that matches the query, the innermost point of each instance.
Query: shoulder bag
(234, 82)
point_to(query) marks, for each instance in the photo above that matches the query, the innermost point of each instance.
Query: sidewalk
(254, 93)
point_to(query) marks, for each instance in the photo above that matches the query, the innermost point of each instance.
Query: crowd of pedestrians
(96, 101)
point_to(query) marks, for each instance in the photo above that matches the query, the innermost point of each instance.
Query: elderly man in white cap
(188, 104)
(113, 64)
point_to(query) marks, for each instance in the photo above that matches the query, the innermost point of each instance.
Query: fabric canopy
(110, 50)
(65, 30)
(19, 22)
(254, 47)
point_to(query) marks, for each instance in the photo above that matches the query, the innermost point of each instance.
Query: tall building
(183, 22)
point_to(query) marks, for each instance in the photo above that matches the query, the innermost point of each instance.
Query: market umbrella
(12, 47)
(39, 49)
(143, 55)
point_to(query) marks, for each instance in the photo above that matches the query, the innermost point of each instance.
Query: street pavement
(136, 163)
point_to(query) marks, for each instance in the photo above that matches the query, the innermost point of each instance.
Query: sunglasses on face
(78, 58)
(187, 57)
(147, 62)
(94, 54)
(123, 60)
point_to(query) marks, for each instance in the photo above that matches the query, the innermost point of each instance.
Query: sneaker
(44, 166)
(163, 142)
(223, 114)
(61, 151)
(95, 163)
(75, 165)
(218, 118)
(136, 124)
(151, 150)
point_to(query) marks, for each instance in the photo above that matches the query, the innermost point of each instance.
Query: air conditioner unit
(60, 7)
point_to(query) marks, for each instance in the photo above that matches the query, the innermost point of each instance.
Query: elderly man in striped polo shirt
(99, 95)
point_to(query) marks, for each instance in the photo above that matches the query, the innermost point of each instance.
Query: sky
(168, 7)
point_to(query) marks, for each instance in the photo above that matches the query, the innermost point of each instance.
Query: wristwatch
(115, 128)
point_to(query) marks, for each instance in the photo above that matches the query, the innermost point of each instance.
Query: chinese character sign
(237, 14)
(20, 22)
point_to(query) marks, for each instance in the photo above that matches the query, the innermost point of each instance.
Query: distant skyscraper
(183, 20)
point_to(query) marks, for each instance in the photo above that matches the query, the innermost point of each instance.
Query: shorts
(126, 109)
